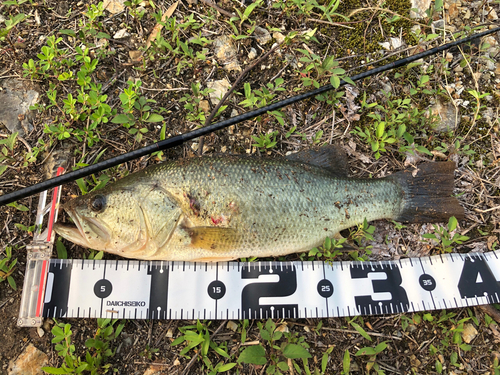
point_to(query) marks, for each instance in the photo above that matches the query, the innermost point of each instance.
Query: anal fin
(216, 239)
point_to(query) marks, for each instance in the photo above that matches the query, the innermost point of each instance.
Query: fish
(220, 208)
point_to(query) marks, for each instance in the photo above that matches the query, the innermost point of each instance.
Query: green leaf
(255, 355)
(346, 362)
(283, 366)
(120, 119)
(452, 223)
(381, 347)
(335, 81)
(67, 32)
(81, 368)
(3, 168)
(54, 370)
(226, 367)
(12, 283)
(61, 249)
(154, 117)
(100, 35)
(380, 129)
(361, 331)
(366, 351)
(294, 351)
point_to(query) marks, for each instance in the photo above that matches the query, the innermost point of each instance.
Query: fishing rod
(180, 139)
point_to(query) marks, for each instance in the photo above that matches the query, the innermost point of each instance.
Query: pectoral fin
(214, 238)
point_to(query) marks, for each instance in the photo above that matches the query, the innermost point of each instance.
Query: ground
(90, 65)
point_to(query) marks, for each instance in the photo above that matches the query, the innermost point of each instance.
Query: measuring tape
(130, 289)
(258, 290)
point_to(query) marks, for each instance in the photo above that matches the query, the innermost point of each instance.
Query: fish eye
(97, 203)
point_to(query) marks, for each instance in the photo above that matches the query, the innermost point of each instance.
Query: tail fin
(427, 193)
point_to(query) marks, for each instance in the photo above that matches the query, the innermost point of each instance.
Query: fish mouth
(76, 232)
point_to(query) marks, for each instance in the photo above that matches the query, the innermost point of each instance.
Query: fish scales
(221, 208)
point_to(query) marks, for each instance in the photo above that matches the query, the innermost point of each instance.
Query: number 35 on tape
(181, 290)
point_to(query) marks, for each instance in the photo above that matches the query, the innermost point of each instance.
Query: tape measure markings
(181, 290)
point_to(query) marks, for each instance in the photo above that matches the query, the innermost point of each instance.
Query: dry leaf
(157, 29)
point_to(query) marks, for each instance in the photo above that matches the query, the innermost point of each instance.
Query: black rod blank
(180, 139)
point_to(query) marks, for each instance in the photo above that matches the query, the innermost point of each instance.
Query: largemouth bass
(228, 207)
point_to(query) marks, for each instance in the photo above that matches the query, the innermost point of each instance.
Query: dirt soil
(415, 342)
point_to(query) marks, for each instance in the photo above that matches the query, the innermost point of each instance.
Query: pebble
(30, 362)
(279, 37)
(252, 54)
(262, 35)
(114, 6)
(204, 106)
(232, 326)
(420, 6)
(225, 52)
(492, 15)
(447, 117)
(15, 101)
(40, 331)
(120, 34)
(469, 333)
(220, 88)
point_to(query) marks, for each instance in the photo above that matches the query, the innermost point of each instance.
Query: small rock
(120, 34)
(396, 43)
(135, 56)
(114, 6)
(252, 54)
(490, 65)
(48, 322)
(420, 6)
(170, 333)
(30, 362)
(232, 326)
(234, 113)
(15, 101)
(467, 14)
(220, 89)
(458, 68)
(453, 11)
(279, 37)
(262, 35)
(469, 333)
(447, 117)
(385, 45)
(155, 369)
(223, 149)
(2, 19)
(492, 15)
(226, 53)
(306, 328)
(204, 106)
(40, 331)
(414, 361)
(283, 328)
(437, 25)
(177, 362)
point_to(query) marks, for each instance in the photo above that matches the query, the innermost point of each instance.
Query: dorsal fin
(331, 157)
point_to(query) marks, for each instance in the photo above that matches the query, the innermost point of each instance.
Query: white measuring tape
(182, 290)
(131, 289)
